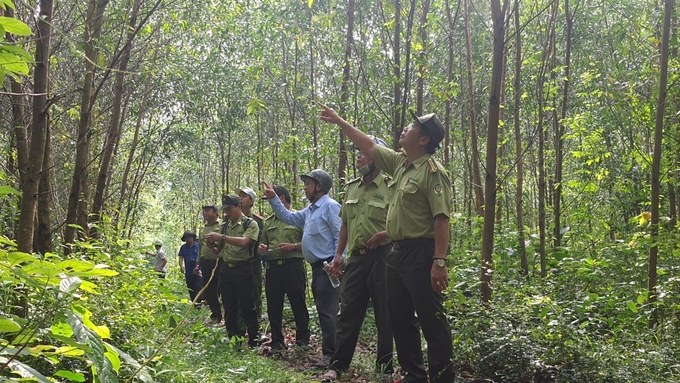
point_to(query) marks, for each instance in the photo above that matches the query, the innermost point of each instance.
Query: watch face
(440, 262)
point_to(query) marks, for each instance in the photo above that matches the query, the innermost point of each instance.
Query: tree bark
(423, 58)
(476, 174)
(34, 166)
(76, 212)
(396, 73)
(656, 164)
(113, 135)
(518, 145)
(43, 238)
(498, 15)
(342, 161)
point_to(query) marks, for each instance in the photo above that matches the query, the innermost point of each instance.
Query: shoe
(330, 376)
(213, 322)
(323, 362)
(274, 351)
(254, 344)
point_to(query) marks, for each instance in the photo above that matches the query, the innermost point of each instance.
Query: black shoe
(274, 351)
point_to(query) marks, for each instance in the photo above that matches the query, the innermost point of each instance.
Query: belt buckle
(231, 265)
(363, 251)
(395, 244)
(280, 263)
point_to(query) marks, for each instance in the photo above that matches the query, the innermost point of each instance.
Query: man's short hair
(281, 190)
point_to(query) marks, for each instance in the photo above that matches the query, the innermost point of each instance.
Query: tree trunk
(476, 175)
(501, 134)
(656, 164)
(36, 156)
(449, 80)
(43, 238)
(113, 135)
(498, 15)
(518, 145)
(342, 161)
(407, 58)
(423, 53)
(396, 74)
(78, 196)
(559, 155)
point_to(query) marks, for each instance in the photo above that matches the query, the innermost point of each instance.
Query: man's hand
(329, 115)
(262, 249)
(376, 240)
(335, 268)
(182, 270)
(268, 191)
(286, 247)
(197, 270)
(213, 237)
(439, 278)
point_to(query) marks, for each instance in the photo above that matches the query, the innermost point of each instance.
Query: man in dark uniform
(208, 261)
(418, 225)
(248, 198)
(363, 214)
(286, 275)
(236, 272)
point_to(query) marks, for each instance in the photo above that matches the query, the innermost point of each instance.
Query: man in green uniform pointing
(418, 225)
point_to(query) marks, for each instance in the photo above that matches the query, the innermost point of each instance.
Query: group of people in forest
(388, 243)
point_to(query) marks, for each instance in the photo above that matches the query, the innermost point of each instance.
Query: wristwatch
(440, 262)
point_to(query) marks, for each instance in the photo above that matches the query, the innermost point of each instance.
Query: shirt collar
(419, 161)
(232, 224)
(377, 180)
(321, 201)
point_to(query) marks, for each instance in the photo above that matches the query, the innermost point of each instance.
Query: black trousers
(287, 278)
(409, 291)
(363, 280)
(211, 293)
(194, 284)
(327, 302)
(257, 283)
(236, 290)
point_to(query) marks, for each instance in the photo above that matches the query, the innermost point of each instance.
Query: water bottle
(335, 282)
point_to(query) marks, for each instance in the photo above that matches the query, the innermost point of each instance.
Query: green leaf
(8, 325)
(25, 371)
(4, 190)
(112, 355)
(102, 366)
(19, 52)
(15, 26)
(71, 376)
(69, 284)
(632, 307)
(310, 3)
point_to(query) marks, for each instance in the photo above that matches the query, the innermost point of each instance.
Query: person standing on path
(321, 233)
(248, 198)
(188, 260)
(418, 225)
(209, 262)
(363, 214)
(286, 275)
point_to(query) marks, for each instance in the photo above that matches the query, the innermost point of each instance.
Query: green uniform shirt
(232, 253)
(419, 192)
(276, 232)
(365, 210)
(204, 251)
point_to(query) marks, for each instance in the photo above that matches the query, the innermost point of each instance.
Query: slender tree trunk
(501, 134)
(133, 145)
(449, 80)
(656, 163)
(113, 135)
(344, 96)
(78, 196)
(396, 73)
(498, 16)
(518, 145)
(476, 174)
(36, 156)
(43, 238)
(559, 142)
(423, 54)
(407, 60)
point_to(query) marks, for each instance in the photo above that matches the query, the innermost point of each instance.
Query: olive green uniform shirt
(419, 192)
(276, 232)
(365, 210)
(232, 253)
(204, 251)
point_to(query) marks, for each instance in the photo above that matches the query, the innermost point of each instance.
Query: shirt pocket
(377, 211)
(351, 206)
(410, 187)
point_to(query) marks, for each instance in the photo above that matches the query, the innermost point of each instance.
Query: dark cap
(188, 233)
(281, 190)
(210, 207)
(230, 200)
(431, 127)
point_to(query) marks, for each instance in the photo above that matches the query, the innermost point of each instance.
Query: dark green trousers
(409, 292)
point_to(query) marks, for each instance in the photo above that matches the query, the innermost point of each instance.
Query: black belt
(233, 265)
(281, 262)
(366, 250)
(320, 262)
(409, 242)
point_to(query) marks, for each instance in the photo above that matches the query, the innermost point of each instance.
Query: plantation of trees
(121, 119)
